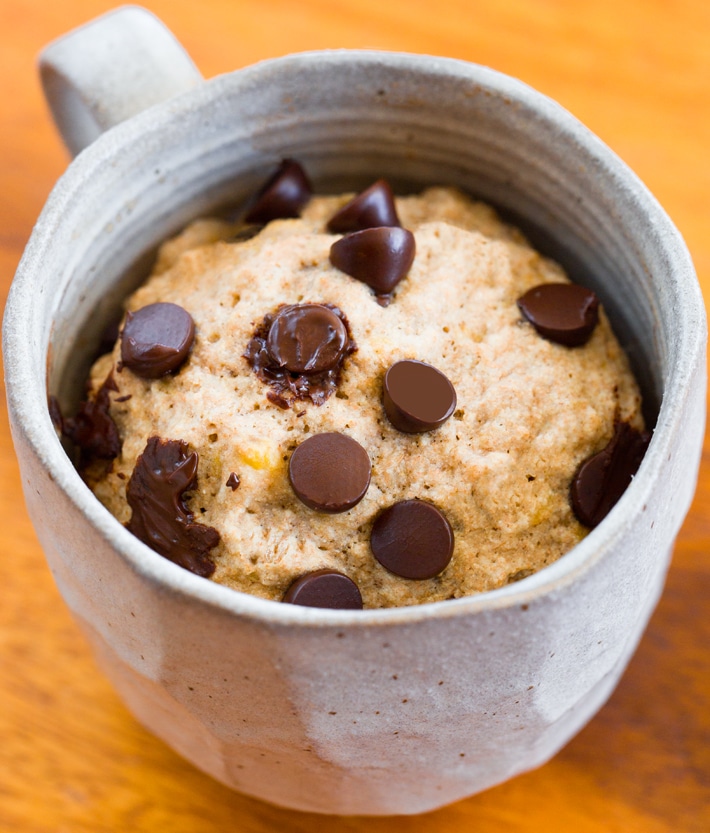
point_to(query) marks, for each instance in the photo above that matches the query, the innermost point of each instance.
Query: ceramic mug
(350, 712)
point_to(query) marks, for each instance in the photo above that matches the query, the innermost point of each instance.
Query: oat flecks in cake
(528, 411)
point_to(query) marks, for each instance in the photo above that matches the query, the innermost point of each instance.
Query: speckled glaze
(381, 711)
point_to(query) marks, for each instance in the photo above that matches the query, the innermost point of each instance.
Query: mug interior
(349, 120)
(351, 117)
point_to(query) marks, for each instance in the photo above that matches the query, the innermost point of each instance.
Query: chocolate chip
(329, 472)
(412, 539)
(92, 430)
(417, 397)
(602, 479)
(283, 195)
(288, 386)
(565, 313)
(379, 257)
(161, 519)
(374, 207)
(233, 481)
(325, 588)
(306, 338)
(156, 339)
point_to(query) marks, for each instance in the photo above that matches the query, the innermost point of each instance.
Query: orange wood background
(72, 760)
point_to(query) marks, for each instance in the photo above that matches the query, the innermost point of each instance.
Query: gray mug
(350, 712)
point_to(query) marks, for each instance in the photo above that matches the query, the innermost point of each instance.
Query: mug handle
(110, 69)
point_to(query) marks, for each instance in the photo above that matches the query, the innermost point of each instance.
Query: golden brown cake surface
(528, 411)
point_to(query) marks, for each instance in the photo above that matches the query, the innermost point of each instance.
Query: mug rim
(35, 424)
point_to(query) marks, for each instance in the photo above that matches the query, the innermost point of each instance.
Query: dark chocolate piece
(565, 313)
(412, 539)
(372, 208)
(287, 386)
(233, 481)
(92, 430)
(417, 397)
(307, 338)
(603, 478)
(329, 472)
(282, 196)
(161, 519)
(379, 257)
(156, 339)
(325, 588)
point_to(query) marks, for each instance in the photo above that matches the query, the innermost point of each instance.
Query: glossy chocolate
(92, 430)
(282, 196)
(379, 257)
(287, 386)
(603, 478)
(329, 472)
(417, 397)
(161, 518)
(412, 539)
(307, 338)
(372, 208)
(156, 339)
(325, 588)
(565, 313)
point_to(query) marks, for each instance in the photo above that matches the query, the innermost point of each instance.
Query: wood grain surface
(72, 760)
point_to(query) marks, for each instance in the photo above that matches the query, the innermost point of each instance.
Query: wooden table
(72, 760)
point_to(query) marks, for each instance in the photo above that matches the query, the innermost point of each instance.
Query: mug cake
(359, 400)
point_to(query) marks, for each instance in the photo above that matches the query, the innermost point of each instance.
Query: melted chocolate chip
(161, 519)
(283, 195)
(412, 539)
(372, 208)
(156, 339)
(325, 588)
(287, 341)
(92, 430)
(565, 313)
(602, 479)
(233, 481)
(307, 338)
(379, 257)
(329, 472)
(417, 397)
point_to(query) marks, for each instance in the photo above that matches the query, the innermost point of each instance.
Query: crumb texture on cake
(528, 411)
